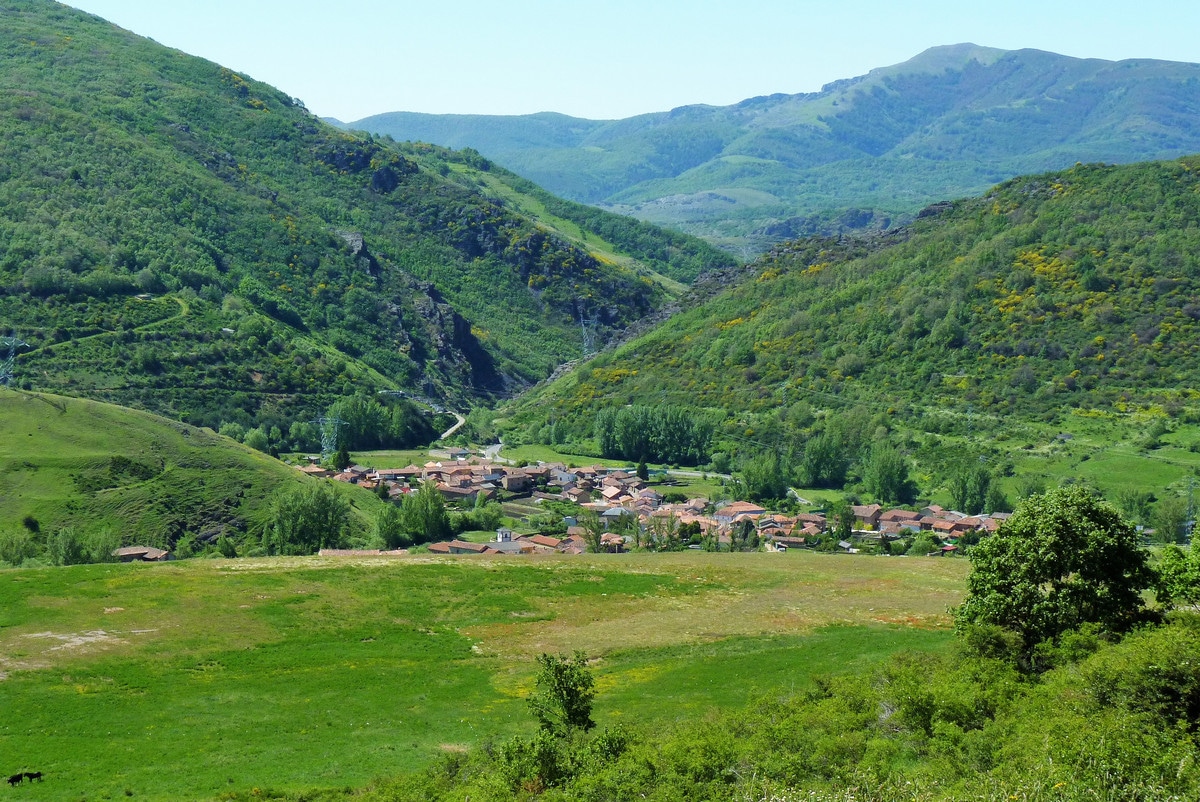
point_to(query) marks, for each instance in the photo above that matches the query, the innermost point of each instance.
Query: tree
(423, 515)
(765, 478)
(365, 422)
(562, 701)
(1065, 558)
(1170, 518)
(921, 545)
(1136, 504)
(232, 430)
(825, 462)
(341, 460)
(257, 439)
(593, 530)
(307, 519)
(969, 489)
(66, 547)
(996, 501)
(389, 530)
(1179, 576)
(304, 436)
(643, 472)
(664, 532)
(841, 520)
(886, 476)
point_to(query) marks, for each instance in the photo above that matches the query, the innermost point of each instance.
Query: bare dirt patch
(90, 640)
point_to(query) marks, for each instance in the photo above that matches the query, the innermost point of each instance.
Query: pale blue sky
(605, 59)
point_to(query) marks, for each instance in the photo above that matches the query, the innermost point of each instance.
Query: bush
(562, 702)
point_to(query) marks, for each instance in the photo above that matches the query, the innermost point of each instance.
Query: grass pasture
(71, 462)
(191, 679)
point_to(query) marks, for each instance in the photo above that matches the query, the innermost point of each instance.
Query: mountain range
(865, 152)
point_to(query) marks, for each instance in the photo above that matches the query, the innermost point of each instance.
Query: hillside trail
(184, 311)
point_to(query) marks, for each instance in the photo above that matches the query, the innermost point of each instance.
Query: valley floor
(194, 678)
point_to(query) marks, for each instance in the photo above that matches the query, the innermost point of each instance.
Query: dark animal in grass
(16, 779)
(33, 775)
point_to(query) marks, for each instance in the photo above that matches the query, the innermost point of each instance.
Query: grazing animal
(16, 779)
(33, 775)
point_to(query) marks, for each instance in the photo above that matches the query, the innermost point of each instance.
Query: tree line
(669, 434)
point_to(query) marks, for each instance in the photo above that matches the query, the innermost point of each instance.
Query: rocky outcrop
(358, 249)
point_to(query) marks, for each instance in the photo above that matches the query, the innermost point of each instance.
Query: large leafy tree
(886, 475)
(423, 515)
(307, 519)
(1065, 558)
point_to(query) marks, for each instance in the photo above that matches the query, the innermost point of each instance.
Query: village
(626, 512)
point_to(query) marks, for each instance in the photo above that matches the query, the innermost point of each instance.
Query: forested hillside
(864, 152)
(1057, 297)
(179, 237)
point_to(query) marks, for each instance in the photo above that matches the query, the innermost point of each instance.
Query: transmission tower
(329, 434)
(589, 334)
(1189, 526)
(10, 359)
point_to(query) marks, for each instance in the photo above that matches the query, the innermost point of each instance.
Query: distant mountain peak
(949, 122)
(938, 59)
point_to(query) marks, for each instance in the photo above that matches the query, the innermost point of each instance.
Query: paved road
(698, 474)
(492, 453)
(458, 425)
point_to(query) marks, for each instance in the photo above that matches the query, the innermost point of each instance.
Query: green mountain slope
(948, 123)
(1053, 300)
(119, 476)
(284, 263)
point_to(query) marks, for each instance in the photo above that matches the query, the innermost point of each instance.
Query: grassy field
(539, 453)
(189, 679)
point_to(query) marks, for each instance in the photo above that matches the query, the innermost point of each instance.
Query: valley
(392, 461)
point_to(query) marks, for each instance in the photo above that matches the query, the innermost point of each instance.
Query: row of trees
(884, 469)
(367, 423)
(670, 434)
(315, 516)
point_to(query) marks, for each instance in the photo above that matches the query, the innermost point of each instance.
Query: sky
(608, 59)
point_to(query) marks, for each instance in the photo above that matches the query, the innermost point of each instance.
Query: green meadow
(193, 679)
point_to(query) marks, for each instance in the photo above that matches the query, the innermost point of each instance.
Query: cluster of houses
(617, 493)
